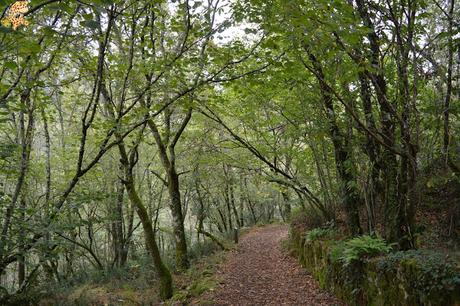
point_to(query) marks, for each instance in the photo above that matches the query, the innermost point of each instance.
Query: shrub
(435, 273)
(318, 233)
(359, 248)
(198, 250)
(307, 218)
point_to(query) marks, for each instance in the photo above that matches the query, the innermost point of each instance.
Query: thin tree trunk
(128, 230)
(166, 146)
(128, 163)
(117, 225)
(286, 212)
(401, 231)
(387, 113)
(372, 150)
(450, 64)
(22, 255)
(178, 220)
(222, 218)
(166, 289)
(25, 139)
(232, 202)
(228, 206)
(350, 195)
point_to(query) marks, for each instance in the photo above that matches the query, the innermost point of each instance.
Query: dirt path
(261, 273)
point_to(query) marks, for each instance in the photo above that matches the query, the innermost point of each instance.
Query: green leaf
(30, 47)
(90, 24)
(10, 65)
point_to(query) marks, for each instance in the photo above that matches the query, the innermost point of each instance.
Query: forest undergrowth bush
(197, 280)
(319, 233)
(435, 271)
(199, 250)
(134, 284)
(359, 248)
(307, 218)
(439, 215)
(366, 270)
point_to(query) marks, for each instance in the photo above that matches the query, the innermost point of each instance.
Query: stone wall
(402, 278)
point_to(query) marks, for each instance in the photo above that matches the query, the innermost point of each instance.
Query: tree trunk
(22, 255)
(178, 220)
(117, 227)
(166, 289)
(25, 140)
(402, 231)
(287, 205)
(229, 210)
(232, 202)
(222, 218)
(372, 150)
(450, 64)
(348, 185)
(166, 148)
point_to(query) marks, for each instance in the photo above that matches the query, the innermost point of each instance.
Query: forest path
(260, 272)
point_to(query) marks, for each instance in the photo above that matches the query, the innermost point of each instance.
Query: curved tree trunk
(166, 289)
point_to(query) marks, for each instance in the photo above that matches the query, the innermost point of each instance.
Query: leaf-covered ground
(260, 272)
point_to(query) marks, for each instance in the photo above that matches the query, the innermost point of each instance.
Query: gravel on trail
(260, 272)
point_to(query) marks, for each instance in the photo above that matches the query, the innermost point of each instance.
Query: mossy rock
(402, 278)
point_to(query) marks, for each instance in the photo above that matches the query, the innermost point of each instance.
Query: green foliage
(358, 248)
(266, 92)
(318, 233)
(198, 279)
(307, 218)
(415, 277)
(136, 283)
(432, 272)
(199, 250)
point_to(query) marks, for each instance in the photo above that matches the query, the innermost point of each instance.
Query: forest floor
(261, 272)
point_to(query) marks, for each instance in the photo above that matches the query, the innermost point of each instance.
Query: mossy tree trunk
(351, 200)
(118, 240)
(166, 145)
(182, 261)
(128, 162)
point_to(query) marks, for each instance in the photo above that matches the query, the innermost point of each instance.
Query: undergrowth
(200, 278)
(308, 218)
(435, 271)
(135, 284)
(319, 233)
(359, 248)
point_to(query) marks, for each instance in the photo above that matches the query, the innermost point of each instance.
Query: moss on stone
(402, 278)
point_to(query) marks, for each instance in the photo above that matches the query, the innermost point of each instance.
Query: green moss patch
(364, 271)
